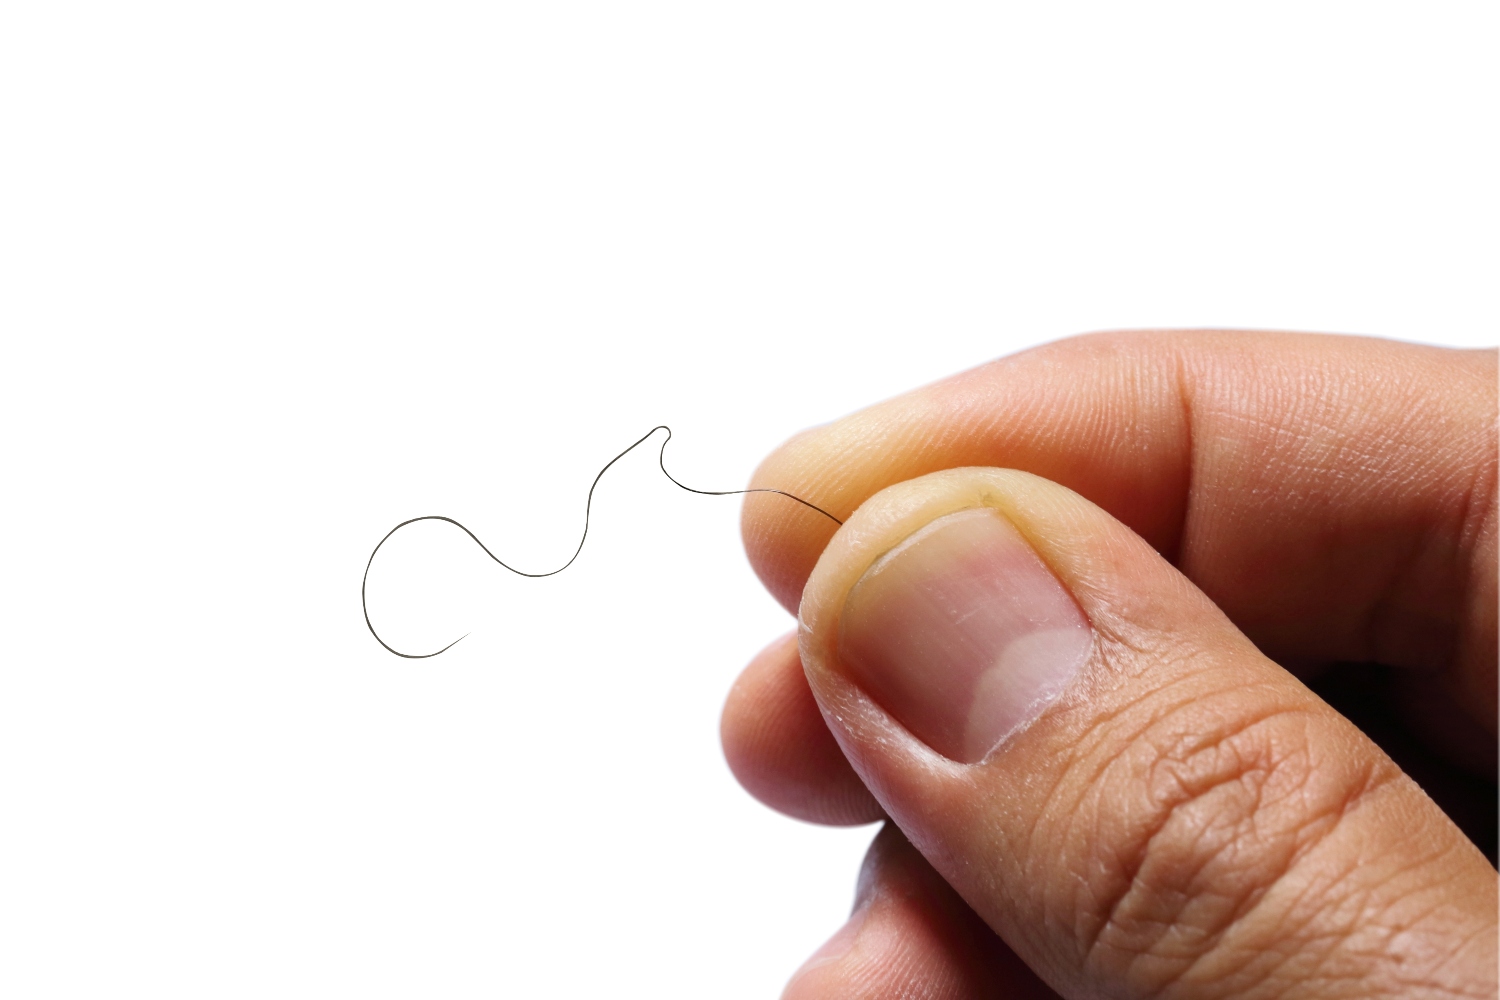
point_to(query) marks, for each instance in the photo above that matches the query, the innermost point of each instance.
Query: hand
(1064, 642)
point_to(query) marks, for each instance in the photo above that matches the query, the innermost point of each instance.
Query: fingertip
(783, 538)
(780, 750)
(911, 936)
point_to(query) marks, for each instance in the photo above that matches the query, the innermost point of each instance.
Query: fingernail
(962, 633)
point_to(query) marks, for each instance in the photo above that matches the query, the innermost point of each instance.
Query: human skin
(1194, 532)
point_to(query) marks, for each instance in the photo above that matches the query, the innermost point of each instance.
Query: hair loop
(661, 460)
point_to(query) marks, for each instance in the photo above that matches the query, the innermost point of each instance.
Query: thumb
(1111, 775)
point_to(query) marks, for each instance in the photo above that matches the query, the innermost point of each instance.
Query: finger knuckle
(1189, 822)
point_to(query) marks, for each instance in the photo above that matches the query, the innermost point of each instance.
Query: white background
(275, 276)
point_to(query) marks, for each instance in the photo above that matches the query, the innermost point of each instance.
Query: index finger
(1335, 496)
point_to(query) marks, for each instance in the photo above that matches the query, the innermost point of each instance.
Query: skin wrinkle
(1313, 831)
(1337, 949)
(1454, 955)
(1406, 464)
(1089, 785)
(1306, 844)
(1108, 716)
(1392, 571)
(1293, 456)
(1084, 748)
(1388, 933)
(1438, 511)
(1295, 944)
(1299, 936)
(1360, 907)
(1477, 505)
(1176, 938)
(1167, 808)
(1240, 769)
(1189, 449)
